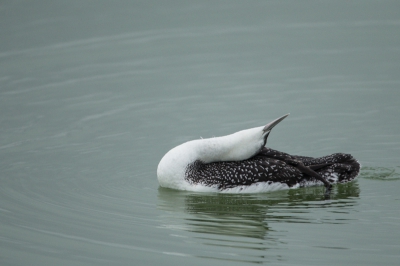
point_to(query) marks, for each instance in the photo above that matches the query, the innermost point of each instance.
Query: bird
(241, 163)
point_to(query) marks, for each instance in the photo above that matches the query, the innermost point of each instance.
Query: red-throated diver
(240, 162)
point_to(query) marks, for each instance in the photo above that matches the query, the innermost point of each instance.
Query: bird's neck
(235, 147)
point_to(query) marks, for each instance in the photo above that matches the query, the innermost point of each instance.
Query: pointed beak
(270, 125)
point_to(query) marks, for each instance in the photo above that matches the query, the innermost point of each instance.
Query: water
(92, 94)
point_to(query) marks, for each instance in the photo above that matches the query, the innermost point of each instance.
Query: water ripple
(381, 173)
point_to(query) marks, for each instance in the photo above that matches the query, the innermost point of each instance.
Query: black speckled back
(269, 166)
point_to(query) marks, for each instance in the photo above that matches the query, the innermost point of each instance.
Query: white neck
(235, 147)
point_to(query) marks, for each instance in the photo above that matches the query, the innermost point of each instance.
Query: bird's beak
(268, 127)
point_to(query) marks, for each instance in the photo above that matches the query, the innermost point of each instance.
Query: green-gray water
(93, 93)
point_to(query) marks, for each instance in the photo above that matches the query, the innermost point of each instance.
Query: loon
(240, 162)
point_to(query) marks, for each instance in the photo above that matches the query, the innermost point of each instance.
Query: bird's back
(269, 167)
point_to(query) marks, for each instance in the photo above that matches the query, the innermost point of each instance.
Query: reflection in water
(240, 221)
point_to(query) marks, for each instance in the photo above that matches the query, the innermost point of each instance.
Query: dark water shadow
(248, 215)
(240, 227)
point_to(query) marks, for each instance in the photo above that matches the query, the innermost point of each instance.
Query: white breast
(235, 147)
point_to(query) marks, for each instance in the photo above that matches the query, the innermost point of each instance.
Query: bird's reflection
(248, 215)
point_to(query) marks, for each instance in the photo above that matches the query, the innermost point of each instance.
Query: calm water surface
(92, 94)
